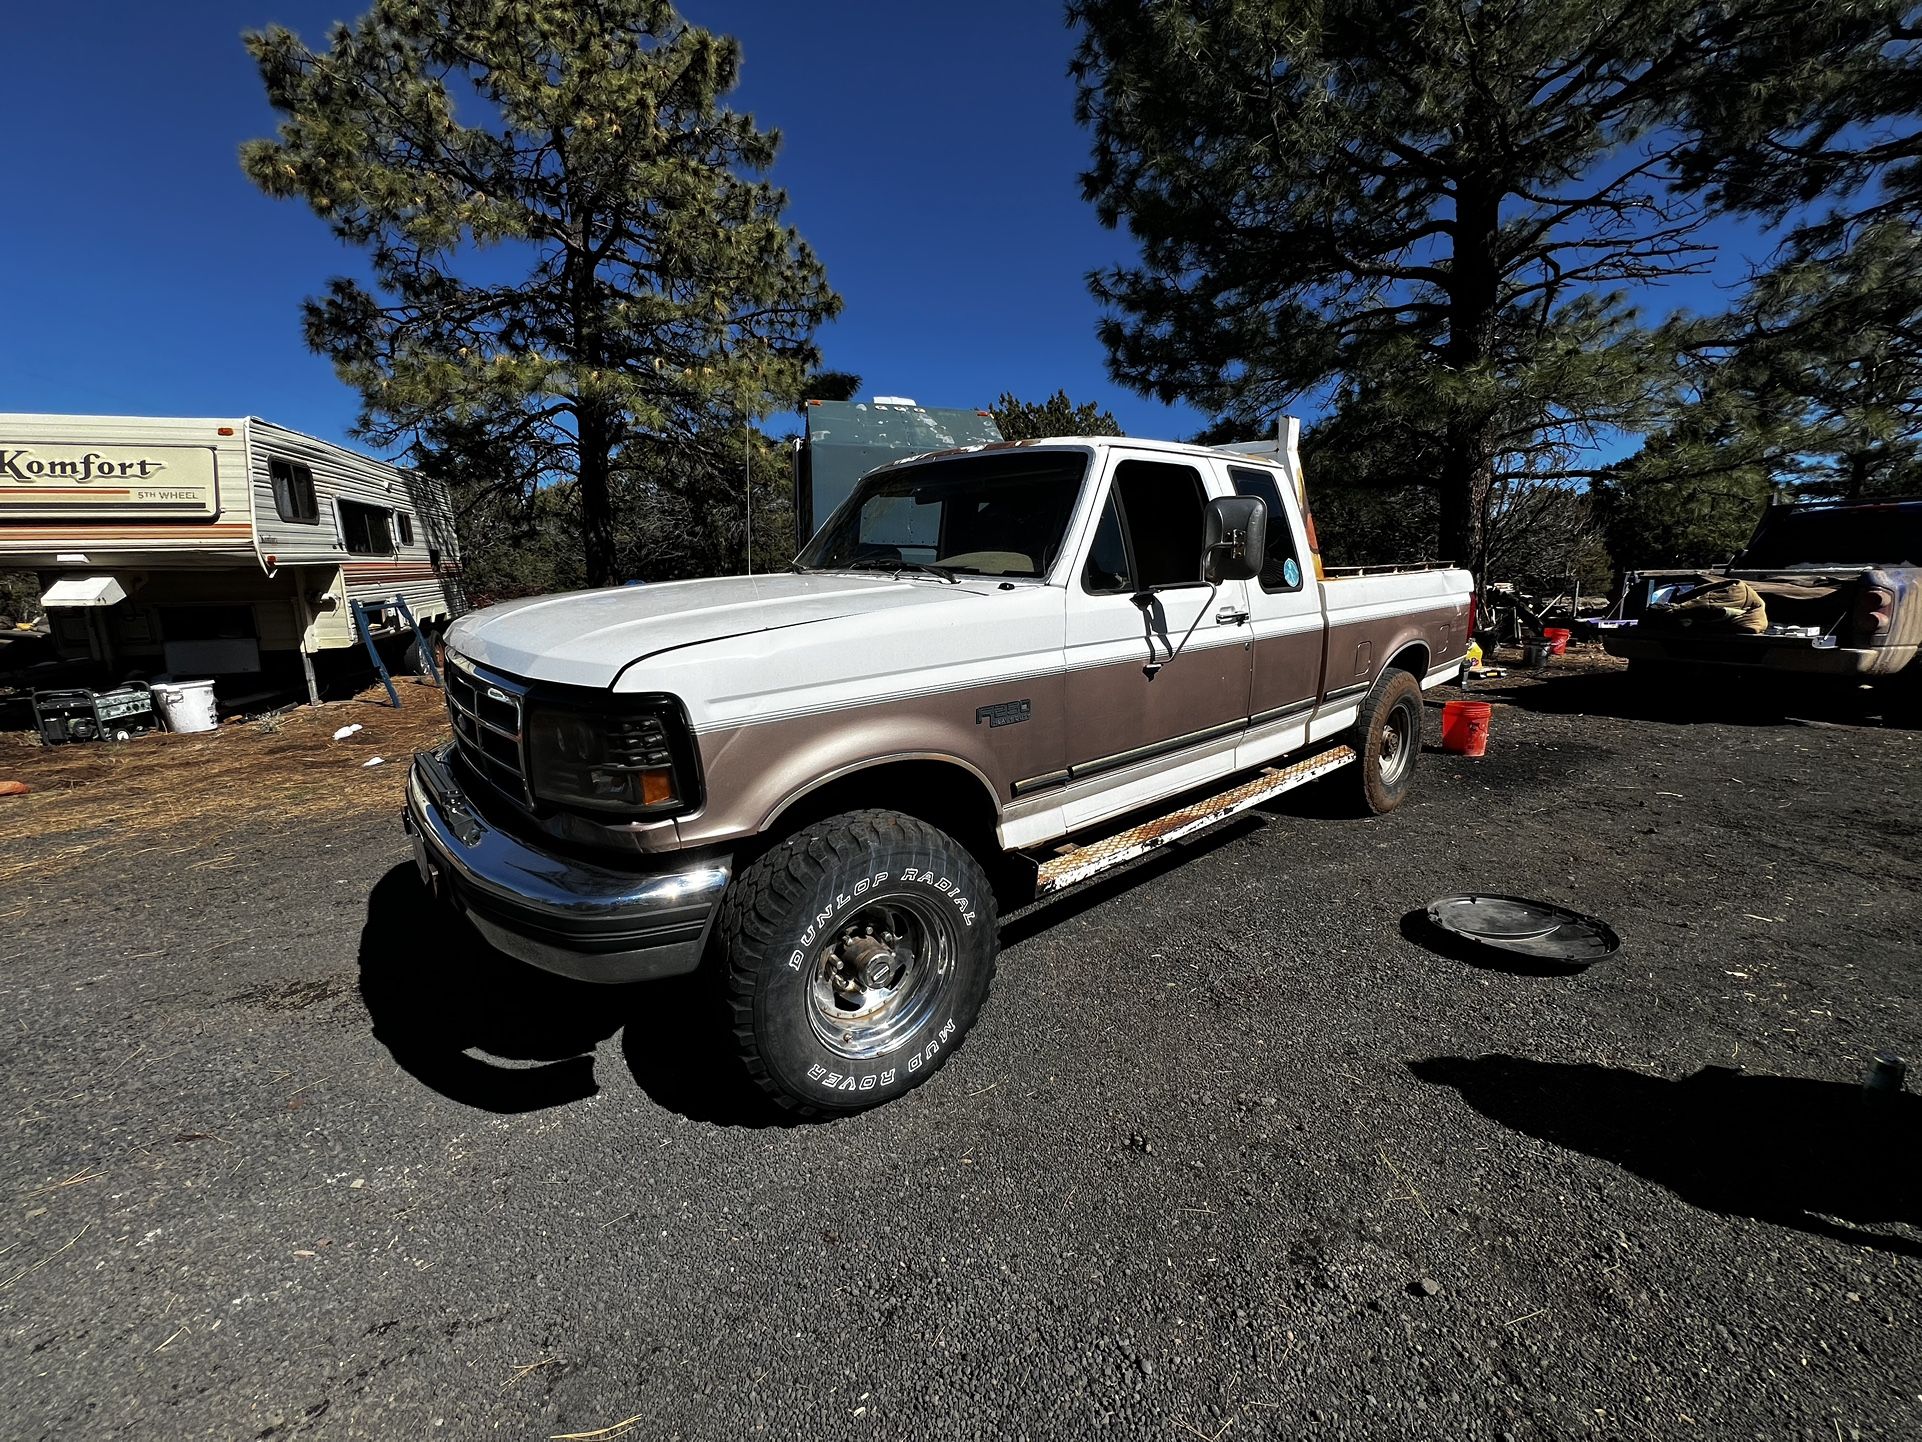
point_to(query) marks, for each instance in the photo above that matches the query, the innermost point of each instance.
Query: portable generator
(81, 715)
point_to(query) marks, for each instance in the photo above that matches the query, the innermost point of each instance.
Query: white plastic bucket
(187, 705)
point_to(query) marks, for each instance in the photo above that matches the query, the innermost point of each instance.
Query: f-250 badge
(1004, 713)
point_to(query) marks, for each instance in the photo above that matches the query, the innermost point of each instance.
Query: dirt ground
(180, 795)
(287, 1152)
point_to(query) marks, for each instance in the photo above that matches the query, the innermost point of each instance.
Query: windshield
(1004, 514)
(1789, 538)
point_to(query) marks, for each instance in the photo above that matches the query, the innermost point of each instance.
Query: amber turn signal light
(657, 786)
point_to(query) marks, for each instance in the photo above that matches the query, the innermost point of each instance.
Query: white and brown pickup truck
(992, 673)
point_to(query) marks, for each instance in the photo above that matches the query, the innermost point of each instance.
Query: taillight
(1474, 605)
(1873, 605)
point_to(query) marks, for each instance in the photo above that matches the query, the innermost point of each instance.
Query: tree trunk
(1468, 461)
(597, 501)
(1467, 472)
(597, 429)
(1858, 474)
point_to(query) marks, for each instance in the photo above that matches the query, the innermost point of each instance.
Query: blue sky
(930, 153)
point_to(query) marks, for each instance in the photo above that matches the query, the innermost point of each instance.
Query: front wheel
(856, 956)
(1387, 739)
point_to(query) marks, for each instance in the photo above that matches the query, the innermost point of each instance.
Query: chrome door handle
(1229, 616)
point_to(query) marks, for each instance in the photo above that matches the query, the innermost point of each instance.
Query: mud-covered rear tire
(1387, 742)
(855, 957)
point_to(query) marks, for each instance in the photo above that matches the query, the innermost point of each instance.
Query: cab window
(1281, 568)
(1150, 530)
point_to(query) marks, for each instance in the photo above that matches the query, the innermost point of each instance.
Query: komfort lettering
(23, 466)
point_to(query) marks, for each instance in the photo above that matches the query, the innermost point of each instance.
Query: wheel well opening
(1412, 658)
(937, 792)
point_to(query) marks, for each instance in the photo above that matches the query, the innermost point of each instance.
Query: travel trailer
(216, 548)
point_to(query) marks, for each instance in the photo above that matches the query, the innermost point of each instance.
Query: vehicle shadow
(1819, 1157)
(1730, 699)
(490, 1032)
(677, 1045)
(438, 993)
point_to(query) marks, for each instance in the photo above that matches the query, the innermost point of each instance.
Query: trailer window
(1281, 568)
(406, 524)
(294, 498)
(366, 530)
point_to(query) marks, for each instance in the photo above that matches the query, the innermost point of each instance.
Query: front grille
(487, 711)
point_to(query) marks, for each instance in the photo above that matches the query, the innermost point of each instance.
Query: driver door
(1159, 662)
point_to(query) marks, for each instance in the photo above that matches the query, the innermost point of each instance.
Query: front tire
(856, 956)
(1387, 741)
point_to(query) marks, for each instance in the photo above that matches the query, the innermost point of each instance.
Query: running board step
(1082, 862)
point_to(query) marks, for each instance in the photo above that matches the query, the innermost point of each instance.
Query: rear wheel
(857, 955)
(1387, 739)
(419, 647)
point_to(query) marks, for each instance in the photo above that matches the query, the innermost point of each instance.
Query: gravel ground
(1230, 1155)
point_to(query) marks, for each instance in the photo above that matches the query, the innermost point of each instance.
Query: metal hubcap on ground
(1395, 744)
(881, 977)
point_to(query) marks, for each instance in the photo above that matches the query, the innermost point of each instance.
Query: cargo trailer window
(406, 524)
(294, 498)
(366, 530)
(1281, 568)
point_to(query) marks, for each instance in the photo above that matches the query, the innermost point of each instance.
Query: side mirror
(1234, 539)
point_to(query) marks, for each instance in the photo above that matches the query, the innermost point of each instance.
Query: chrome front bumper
(590, 922)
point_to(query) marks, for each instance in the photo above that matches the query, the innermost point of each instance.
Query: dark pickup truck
(1841, 582)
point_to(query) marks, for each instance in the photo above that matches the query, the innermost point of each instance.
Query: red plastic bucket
(1465, 727)
(1557, 639)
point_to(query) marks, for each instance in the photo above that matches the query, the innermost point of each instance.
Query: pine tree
(577, 263)
(1813, 382)
(1021, 420)
(1816, 377)
(1430, 206)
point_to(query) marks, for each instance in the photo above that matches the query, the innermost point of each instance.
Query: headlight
(603, 762)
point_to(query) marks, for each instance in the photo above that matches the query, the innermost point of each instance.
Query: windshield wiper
(881, 563)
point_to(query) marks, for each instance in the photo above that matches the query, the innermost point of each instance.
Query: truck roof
(1183, 449)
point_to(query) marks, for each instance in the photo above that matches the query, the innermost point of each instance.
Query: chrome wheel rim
(1395, 744)
(881, 977)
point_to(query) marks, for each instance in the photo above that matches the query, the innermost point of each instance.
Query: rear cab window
(1281, 567)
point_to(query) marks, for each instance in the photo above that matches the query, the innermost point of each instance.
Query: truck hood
(587, 638)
